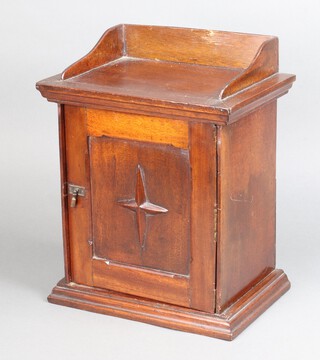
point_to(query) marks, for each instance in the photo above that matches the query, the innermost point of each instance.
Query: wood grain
(137, 127)
(175, 73)
(246, 248)
(203, 202)
(226, 326)
(79, 217)
(164, 287)
(195, 46)
(172, 133)
(264, 64)
(64, 193)
(219, 112)
(110, 47)
(114, 165)
(172, 82)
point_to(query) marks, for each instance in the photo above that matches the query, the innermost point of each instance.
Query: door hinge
(75, 191)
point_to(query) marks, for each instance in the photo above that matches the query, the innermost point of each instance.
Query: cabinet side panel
(246, 245)
(79, 217)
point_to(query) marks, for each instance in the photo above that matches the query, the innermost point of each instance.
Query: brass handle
(75, 191)
(74, 198)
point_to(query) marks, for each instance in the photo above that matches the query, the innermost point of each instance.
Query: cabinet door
(146, 224)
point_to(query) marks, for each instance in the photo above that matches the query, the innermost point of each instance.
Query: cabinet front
(146, 223)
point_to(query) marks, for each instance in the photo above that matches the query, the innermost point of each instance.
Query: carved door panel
(151, 200)
(140, 217)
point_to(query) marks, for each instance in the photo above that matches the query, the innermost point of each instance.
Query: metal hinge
(75, 191)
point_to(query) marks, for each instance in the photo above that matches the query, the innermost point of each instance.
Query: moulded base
(226, 325)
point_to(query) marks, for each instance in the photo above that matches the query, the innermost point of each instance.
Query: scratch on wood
(240, 198)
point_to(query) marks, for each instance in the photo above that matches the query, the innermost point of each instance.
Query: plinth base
(225, 326)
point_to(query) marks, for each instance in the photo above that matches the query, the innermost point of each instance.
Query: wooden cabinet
(167, 142)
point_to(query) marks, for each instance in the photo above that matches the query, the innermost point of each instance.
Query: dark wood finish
(64, 194)
(165, 287)
(264, 64)
(130, 235)
(138, 173)
(80, 237)
(187, 73)
(247, 203)
(193, 46)
(225, 326)
(203, 222)
(168, 81)
(172, 134)
(217, 111)
(162, 268)
(110, 47)
(190, 46)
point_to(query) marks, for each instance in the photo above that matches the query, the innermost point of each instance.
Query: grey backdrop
(41, 38)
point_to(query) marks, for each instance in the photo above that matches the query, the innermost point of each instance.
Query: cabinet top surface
(171, 67)
(165, 80)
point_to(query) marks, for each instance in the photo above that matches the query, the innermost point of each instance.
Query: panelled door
(146, 225)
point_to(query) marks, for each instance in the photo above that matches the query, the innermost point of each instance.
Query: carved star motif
(141, 206)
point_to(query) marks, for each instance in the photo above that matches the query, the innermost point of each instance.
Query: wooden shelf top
(152, 69)
(156, 80)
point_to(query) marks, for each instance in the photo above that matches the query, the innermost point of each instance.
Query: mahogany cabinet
(167, 143)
